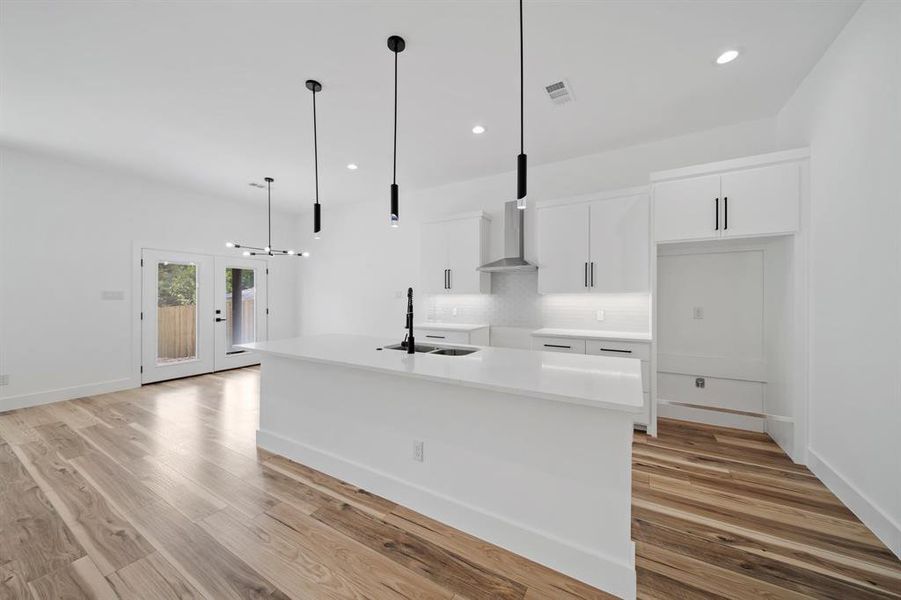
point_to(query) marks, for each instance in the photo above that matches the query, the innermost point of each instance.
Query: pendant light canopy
(268, 250)
(396, 44)
(315, 86)
(521, 159)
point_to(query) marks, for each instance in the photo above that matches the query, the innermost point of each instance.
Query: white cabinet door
(620, 230)
(687, 209)
(464, 252)
(563, 251)
(761, 201)
(434, 257)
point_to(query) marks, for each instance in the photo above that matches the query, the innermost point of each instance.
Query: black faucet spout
(411, 343)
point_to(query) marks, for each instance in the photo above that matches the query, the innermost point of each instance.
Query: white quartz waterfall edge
(583, 564)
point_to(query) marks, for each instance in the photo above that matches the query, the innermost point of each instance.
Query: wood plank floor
(161, 492)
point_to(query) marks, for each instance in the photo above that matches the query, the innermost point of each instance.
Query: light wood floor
(161, 493)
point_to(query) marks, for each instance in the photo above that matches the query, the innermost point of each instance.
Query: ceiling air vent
(257, 185)
(559, 92)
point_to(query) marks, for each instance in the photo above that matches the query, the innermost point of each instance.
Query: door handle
(220, 319)
(725, 213)
(716, 213)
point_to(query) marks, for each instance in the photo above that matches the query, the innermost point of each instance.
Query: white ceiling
(211, 94)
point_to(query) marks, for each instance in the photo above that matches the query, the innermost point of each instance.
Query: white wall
(66, 234)
(849, 111)
(361, 265)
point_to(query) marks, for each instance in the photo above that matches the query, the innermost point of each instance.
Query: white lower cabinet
(602, 347)
(476, 336)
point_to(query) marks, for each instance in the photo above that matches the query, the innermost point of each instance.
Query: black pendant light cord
(315, 148)
(522, 138)
(269, 203)
(394, 168)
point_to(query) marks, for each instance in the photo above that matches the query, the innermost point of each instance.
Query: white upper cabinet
(452, 251)
(761, 201)
(620, 245)
(749, 197)
(563, 249)
(599, 246)
(687, 209)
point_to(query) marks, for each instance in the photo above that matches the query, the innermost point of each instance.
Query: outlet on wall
(599, 315)
(698, 312)
(417, 450)
(4, 379)
(454, 311)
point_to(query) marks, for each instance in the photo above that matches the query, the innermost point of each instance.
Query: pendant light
(521, 159)
(268, 250)
(315, 86)
(396, 44)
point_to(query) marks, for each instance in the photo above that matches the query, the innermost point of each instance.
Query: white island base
(543, 475)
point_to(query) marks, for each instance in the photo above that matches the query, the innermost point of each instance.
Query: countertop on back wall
(594, 334)
(450, 326)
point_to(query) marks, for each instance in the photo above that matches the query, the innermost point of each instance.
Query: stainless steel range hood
(514, 235)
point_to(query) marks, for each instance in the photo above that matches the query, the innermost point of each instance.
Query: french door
(196, 311)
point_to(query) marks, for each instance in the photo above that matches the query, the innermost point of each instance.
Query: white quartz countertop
(449, 326)
(594, 334)
(596, 381)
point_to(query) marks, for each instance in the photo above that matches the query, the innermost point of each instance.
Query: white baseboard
(600, 571)
(710, 416)
(881, 524)
(67, 393)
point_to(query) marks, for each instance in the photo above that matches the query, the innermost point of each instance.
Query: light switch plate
(599, 315)
(454, 311)
(112, 295)
(698, 312)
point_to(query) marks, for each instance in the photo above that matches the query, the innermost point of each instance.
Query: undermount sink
(426, 349)
(454, 351)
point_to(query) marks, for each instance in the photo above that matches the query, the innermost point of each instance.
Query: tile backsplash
(515, 302)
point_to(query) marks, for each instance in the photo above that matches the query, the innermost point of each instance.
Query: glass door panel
(176, 312)
(177, 294)
(240, 310)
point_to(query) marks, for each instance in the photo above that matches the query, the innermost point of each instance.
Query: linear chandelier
(314, 86)
(268, 250)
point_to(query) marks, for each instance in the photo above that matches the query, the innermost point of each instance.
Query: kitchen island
(528, 450)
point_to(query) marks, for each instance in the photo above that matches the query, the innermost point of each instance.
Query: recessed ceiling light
(727, 57)
(478, 129)
(352, 166)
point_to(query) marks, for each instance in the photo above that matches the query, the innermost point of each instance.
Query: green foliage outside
(246, 279)
(177, 284)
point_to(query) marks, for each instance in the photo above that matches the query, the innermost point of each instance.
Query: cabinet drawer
(551, 344)
(439, 336)
(621, 349)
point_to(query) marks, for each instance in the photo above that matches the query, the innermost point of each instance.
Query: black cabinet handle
(716, 213)
(585, 275)
(437, 337)
(445, 279)
(557, 346)
(591, 275)
(450, 283)
(726, 213)
(616, 350)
